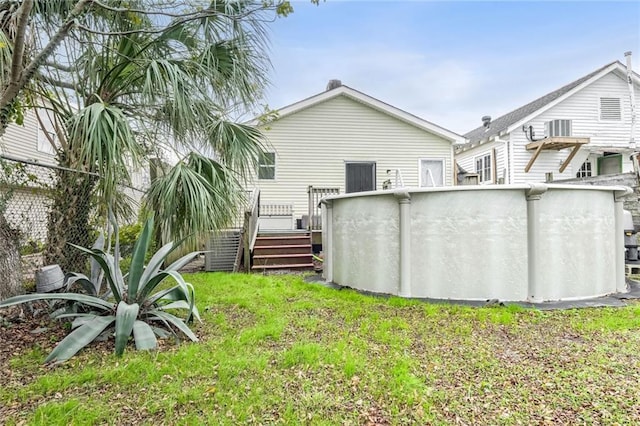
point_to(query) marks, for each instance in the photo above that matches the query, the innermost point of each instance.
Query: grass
(278, 350)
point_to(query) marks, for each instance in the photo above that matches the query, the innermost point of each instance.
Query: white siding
(22, 141)
(312, 146)
(583, 108)
(467, 159)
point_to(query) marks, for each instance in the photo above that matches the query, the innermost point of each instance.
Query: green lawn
(277, 350)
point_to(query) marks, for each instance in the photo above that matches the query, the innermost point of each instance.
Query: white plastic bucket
(49, 278)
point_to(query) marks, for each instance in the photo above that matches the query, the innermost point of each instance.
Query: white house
(586, 128)
(31, 140)
(345, 140)
(29, 152)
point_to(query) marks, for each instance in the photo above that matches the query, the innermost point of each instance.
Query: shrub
(131, 304)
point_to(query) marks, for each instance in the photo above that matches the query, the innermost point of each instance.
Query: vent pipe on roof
(632, 100)
(486, 121)
(333, 84)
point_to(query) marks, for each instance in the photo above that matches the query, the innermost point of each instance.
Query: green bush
(31, 246)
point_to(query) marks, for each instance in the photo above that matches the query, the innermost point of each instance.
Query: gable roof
(507, 121)
(372, 103)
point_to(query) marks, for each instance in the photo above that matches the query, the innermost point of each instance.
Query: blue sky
(448, 62)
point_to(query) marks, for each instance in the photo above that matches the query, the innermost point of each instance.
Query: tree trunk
(10, 262)
(69, 221)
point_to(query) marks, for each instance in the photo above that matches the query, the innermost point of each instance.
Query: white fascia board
(518, 124)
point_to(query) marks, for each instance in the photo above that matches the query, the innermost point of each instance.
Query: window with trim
(267, 166)
(45, 137)
(585, 170)
(483, 167)
(610, 109)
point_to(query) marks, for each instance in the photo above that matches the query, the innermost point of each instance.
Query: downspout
(632, 100)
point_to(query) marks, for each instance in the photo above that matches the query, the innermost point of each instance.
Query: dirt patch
(24, 327)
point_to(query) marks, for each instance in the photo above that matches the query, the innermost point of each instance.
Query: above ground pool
(530, 242)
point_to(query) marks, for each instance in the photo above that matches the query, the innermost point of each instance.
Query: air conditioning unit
(557, 128)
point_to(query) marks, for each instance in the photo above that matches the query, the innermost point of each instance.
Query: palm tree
(130, 83)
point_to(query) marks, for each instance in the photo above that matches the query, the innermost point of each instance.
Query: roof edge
(372, 102)
(612, 67)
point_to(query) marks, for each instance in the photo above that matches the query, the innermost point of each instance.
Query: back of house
(343, 141)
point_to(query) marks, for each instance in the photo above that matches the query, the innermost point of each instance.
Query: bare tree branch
(141, 11)
(183, 19)
(58, 66)
(62, 84)
(18, 43)
(14, 86)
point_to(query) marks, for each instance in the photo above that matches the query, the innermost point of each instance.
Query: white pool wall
(532, 242)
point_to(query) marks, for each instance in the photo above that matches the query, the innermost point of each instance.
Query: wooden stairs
(282, 251)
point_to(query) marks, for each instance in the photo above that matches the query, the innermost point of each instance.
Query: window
(431, 172)
(44, 145)
(557, 128)
(610, 109)
(267, 166)
(585, 170)
(360, 176)
(483, 167)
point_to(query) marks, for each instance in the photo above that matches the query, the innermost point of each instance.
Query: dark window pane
(267, 172)
(268, 159)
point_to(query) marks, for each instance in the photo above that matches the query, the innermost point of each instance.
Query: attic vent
(557, 128)
(610, 109)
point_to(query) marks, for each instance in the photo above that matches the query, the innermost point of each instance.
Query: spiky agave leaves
(132, 306)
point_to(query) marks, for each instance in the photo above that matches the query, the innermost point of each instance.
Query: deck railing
(276, 209)
(315, 195)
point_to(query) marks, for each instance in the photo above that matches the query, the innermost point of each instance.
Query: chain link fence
(50, 207)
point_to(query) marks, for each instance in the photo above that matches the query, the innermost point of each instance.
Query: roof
(373, 103)
(505, 122)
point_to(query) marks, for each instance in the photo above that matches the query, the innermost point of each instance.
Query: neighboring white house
(30, 141)
(346, 140)
(582, 129)
(28, 151)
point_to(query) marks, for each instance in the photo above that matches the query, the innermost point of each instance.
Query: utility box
(630, 237)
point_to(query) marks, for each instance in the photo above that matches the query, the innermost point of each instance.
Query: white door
(431, 172)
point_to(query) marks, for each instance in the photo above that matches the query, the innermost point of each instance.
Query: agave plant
(132, 304)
